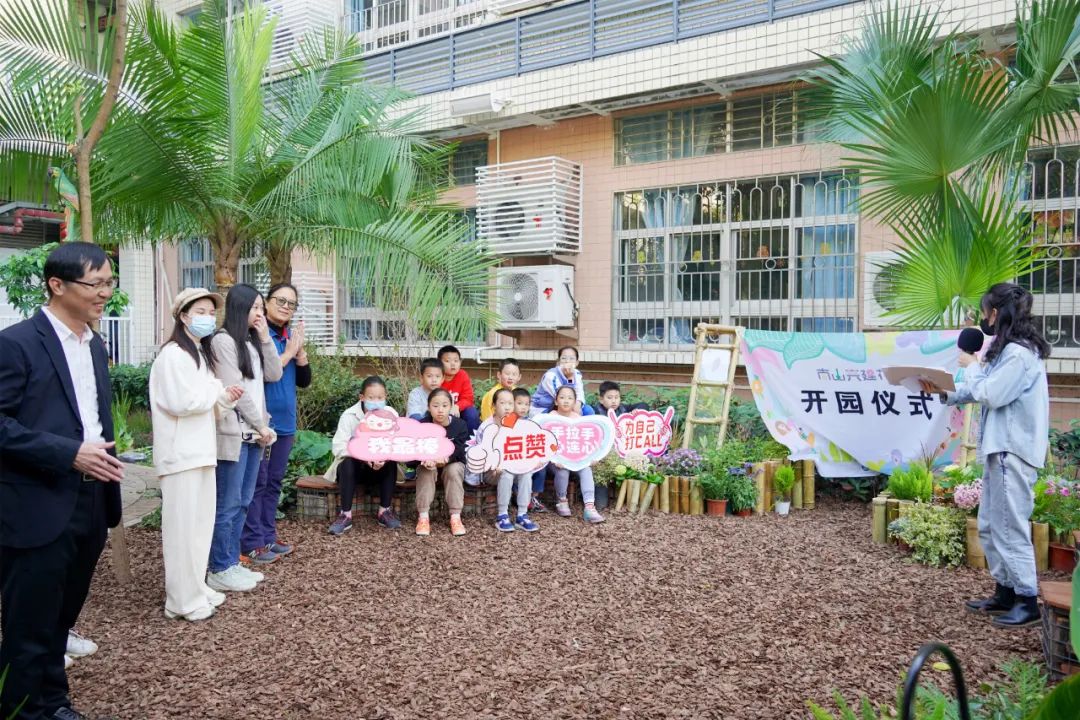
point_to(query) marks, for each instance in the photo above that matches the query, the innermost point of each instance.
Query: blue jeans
(260, 527)
(235, 488)
(1004, 510)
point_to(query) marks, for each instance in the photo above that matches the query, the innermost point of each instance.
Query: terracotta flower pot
(1062, 558)
(744, 513)
(716, 508)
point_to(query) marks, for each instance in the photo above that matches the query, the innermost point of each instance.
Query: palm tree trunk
(226, 244)
(279, 259)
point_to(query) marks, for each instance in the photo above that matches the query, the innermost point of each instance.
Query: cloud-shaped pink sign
(582, 440)
(383, 437)
(642, 431)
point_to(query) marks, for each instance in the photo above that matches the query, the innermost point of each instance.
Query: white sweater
(183, 399)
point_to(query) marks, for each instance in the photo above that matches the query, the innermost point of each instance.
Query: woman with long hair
(259, 542)
(184, 395)
(1010, 384)
(244, 355)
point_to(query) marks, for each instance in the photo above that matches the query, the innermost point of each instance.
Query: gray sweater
(1015, 403)
(251, 407)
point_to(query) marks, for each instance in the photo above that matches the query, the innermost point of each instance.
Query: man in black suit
(59, 478)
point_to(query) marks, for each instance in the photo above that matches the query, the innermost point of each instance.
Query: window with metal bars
(751, 123)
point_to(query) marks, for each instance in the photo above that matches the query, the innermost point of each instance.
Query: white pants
(188, 502)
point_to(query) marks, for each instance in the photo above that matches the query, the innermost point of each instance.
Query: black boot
(1025, 612)
(1000, 602)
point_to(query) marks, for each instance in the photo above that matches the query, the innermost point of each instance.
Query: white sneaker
(78, 646)
(216, 599)
(68, 662)
(250, 574)
(202, 613)
(229, 581)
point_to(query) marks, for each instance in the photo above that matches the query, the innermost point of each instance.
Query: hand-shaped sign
(382, 436)
(642, 431)
(582, 440)
(516, 445)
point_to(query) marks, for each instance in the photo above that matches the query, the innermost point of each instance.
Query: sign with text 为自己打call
(646, 432)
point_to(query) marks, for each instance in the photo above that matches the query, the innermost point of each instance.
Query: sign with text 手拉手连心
(825, 396)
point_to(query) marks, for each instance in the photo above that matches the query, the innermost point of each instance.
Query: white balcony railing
(386, 25)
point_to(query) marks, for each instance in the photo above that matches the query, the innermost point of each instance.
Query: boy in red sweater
(459, 384)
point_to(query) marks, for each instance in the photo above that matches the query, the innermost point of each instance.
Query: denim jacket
(1015, 403)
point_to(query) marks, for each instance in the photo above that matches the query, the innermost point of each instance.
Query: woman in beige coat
(184, 395)
(244, 355)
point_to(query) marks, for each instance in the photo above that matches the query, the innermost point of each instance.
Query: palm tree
(202, 145)
(938, 129)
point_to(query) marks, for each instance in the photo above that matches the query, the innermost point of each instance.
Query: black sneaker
(388, 519)
(1000, 602)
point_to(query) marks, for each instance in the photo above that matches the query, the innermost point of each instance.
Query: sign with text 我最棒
(825, 397)
(382, 436)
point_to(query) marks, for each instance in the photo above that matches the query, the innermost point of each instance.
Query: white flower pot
(782, 507)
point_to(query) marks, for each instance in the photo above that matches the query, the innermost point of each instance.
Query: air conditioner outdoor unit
(529, 207)
(875, 285)
(539, 297)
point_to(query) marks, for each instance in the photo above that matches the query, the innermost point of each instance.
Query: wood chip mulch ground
(659, 617)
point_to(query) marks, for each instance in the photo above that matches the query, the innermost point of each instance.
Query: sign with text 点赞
(825, 397)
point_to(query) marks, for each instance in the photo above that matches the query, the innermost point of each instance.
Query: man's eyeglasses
(99, 285)
(282, 302)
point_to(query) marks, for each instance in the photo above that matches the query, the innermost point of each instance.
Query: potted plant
(714, 487)
(1060, 508)
(604, 477)
(680, 463)
(741, 492)
(783, 482)
(966, 497)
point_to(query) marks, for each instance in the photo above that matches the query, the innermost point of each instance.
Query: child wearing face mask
(1010, 384)
(348, 472)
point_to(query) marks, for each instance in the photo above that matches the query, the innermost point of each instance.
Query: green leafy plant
(1013, 698)
(121, 408)
(1058, 504)
(784, 481)
(714, 486)
(334, 388)
(1065, 445)
(732, 454)
(953, 476)
(311, 455)
(741, 492)
(152, 520)
(914, 483)
(604, 471)
(132, 381)
(935, 533)
(23, 278)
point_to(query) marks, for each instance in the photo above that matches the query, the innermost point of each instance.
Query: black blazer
(40, 434)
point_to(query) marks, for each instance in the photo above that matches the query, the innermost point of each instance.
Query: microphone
(970, 340)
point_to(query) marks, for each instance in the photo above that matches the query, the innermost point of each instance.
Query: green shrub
(152, 521)
(784, 481)
(121, 408)
(140, 426)
(714, 486)
(935, 533)
(334, 388)
(915, 483)
(311, 455)
(1014, 698)
(132, 381)
(741, 492)
(745, 423)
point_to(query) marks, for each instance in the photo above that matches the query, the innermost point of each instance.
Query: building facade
(695, 190)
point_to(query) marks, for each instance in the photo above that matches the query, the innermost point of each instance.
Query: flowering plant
(684, 462)
(953, 476)
(1059, 504)
(636, 466)
(968, 495)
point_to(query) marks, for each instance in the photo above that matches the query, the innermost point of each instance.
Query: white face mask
(202, 325)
